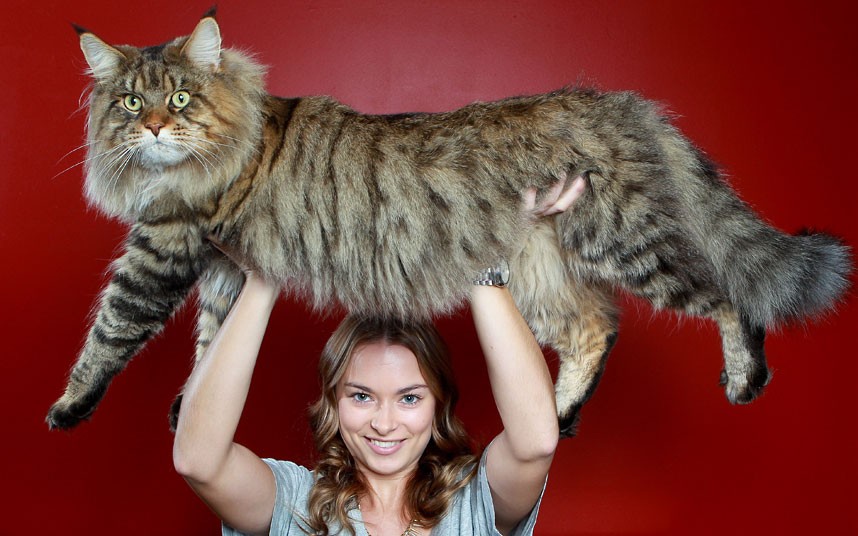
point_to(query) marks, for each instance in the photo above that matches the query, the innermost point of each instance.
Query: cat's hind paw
(744, 388)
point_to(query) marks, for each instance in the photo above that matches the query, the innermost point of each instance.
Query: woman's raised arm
(236, 484)
(520, 456)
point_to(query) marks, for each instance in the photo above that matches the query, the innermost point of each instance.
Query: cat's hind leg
(579, 321)
(583, 351)
(218, 289)
(745, 372)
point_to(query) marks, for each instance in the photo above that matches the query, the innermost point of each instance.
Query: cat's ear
(103, 59)
(203, 46)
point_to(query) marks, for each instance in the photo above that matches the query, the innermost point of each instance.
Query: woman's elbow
(183, 461)
(546, 445)
(546, 435)
(191, 464)
(538, 446)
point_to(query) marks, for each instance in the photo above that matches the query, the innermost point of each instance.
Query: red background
(767, 92)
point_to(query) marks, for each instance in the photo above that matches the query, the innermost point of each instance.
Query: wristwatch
(496, 276)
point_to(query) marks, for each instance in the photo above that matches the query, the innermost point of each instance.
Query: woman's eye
(180, 99)
(361, 397)
(411, 399)
(132, 103)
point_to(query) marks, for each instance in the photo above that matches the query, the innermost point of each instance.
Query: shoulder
(472, 510)
(292, 479)
(293, 484)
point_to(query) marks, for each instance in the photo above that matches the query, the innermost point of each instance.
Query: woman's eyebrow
(404, 390)
(412, 388)
(357, 386)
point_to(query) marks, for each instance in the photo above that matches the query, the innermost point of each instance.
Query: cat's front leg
(160, 265)
(218, 289)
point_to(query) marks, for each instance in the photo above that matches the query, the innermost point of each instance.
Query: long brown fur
(393, 215)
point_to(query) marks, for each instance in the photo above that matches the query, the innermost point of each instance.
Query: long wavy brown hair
(447, 464)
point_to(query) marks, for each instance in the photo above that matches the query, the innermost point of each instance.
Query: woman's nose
(383, 421)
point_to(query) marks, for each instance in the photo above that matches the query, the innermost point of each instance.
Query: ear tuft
(80, 30)
(203, 46)
(211, 12)
(102, 58)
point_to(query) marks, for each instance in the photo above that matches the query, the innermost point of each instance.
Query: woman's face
(385, 409)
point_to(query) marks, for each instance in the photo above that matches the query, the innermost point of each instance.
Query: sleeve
(484, 509)
(293, 483)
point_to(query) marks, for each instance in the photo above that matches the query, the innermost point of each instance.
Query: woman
(385, 398)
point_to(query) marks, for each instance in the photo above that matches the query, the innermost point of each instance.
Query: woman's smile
(384, 448)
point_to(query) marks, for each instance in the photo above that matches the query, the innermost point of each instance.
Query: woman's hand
(557, 199)
(253, 281)
(230, 253)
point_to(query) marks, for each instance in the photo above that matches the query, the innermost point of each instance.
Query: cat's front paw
(568, 422)
(66, 414)
(173, 417)
(744, 388)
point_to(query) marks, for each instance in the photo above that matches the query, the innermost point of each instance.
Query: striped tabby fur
(393, 215)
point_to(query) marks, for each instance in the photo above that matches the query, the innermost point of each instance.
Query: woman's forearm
(520, 379)
(215, 394)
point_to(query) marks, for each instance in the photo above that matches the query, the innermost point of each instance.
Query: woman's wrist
(480, 292)
(261, 289)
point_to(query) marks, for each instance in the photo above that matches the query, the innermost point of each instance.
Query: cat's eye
(180, 99)
(132, 103)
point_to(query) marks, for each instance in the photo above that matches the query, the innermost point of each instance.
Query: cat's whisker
(117, 155)
(247, 144)
(216, 144)
(196, 145)
(76, 149)
(125, 157)
(194, 149)
(199, 158)
(89, 158)
(125, 145)
(233, 138)
(69, 169)
(203, 140)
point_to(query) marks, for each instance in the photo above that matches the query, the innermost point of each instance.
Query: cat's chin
(159, 156)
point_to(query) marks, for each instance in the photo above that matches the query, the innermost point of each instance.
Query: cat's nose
(155, 127)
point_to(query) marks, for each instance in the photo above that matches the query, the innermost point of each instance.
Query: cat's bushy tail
(770, 276)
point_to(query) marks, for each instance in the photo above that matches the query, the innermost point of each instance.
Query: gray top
(471, 513)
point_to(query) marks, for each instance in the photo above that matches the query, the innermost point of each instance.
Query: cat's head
(168, 123)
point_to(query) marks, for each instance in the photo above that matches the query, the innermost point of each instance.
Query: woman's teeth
(384, 444)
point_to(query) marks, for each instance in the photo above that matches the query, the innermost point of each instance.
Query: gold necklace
(409, 530)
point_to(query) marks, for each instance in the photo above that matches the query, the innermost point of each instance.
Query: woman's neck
(383, 506)
(384, 494)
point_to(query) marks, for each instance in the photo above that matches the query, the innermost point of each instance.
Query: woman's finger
(565, 200)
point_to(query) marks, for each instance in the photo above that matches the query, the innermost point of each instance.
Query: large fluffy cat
(394, 215)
